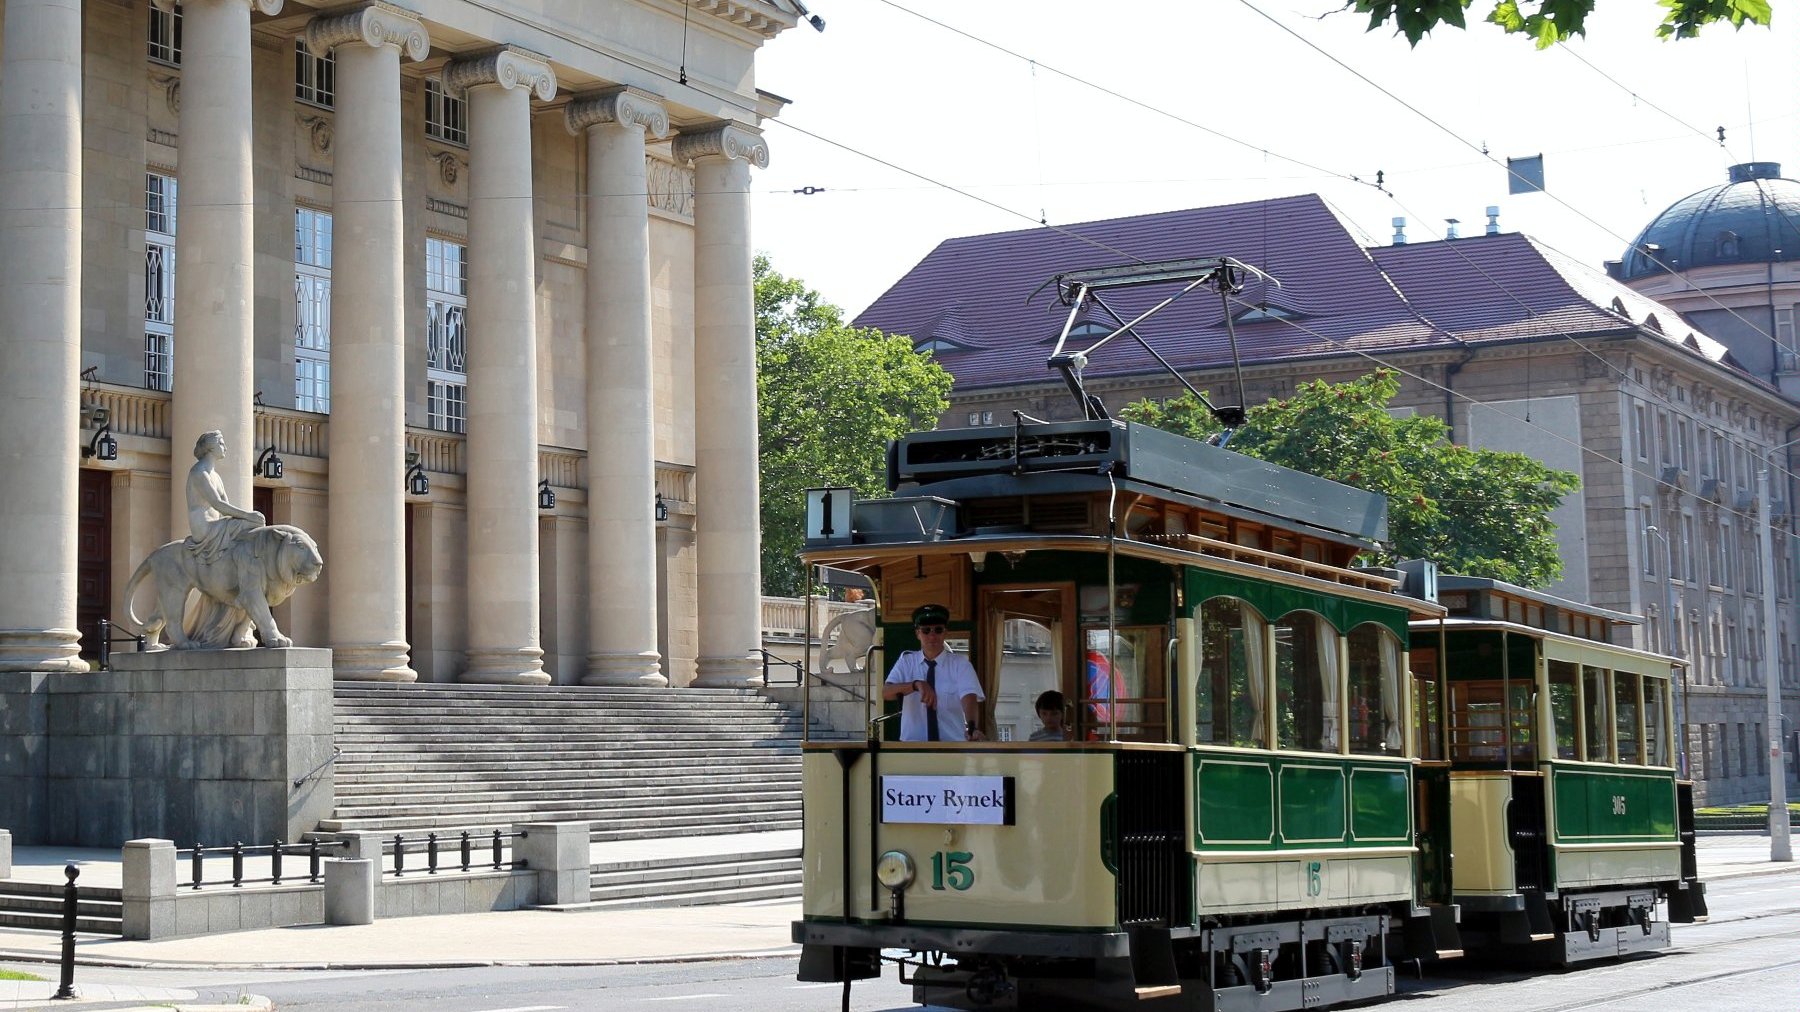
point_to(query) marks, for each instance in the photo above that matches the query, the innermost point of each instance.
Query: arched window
(1306, 683)
(1373, 696)
(1232, 690)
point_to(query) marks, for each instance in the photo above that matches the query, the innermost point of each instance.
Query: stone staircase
(38, 906)
(637, 764)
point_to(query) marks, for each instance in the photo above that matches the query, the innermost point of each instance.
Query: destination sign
(947, 800)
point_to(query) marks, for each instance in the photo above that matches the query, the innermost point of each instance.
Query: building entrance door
(93, 559)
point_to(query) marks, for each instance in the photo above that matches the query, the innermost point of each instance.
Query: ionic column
(367, 512)
(214, 290)
(40, 333)
(620, 419)
(502, 365)
(728, 535)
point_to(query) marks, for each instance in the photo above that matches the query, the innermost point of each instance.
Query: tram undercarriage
(1269, 966)
(1579, 927)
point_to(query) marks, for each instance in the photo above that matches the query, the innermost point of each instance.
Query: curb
(249, 1003)
(401, 964)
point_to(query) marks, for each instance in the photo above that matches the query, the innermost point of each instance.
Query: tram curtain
(1256, 656)
(1329, 674)
(1390, 691)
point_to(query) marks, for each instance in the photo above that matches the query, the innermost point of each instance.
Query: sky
(916, 134)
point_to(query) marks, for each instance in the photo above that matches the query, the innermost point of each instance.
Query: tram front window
(1128, 678)
(1028, 668)
(1563, 708)
(1656, 742)
(1374, 691)
(1625, 710)
(1598, 699)
(1228, 709)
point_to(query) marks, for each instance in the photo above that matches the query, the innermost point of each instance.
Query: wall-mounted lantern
(546, 495)
(662, 509)
(416, 482)
(269, 465)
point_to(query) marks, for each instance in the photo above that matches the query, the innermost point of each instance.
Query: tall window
(315, 77)
(159, 281)
(1640, 430)
(1662, 437)
(1684, 444)
(164, 39)
(312, 294)
(446, 335)
(446, 115)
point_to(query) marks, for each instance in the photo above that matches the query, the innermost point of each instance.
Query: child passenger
(1050, 714)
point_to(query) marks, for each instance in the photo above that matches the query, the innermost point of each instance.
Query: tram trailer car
(1573, 834)
(1241, 819)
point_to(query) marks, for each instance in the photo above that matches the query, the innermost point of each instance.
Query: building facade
(1516, 346)
(465, 285)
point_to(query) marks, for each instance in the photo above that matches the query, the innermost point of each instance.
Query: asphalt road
(1748, 954)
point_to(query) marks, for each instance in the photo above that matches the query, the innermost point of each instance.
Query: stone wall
(191, 745)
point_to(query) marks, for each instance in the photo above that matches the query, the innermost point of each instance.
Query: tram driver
(941, 696)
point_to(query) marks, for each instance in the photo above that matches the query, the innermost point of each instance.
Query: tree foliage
(1473, 512)
(830, 396)
(1552, 21)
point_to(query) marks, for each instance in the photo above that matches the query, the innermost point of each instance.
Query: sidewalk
(568, 937)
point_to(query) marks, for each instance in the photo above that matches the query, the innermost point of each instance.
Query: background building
(467, 287)
(1515, 345)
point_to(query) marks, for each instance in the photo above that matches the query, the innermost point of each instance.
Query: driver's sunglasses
(930, 630)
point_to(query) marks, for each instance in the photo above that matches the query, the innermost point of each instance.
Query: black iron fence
(431, 848)
(314, 851)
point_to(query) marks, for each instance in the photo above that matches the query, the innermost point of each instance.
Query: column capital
(376, 25)
(623, 105)
(269, 7)
(725, 140)
(509, 67)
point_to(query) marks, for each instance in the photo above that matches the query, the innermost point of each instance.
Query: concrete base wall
(192, 746)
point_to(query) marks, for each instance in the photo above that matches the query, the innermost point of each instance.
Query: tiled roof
(985, 294)
(977, 292)
(1510, 287)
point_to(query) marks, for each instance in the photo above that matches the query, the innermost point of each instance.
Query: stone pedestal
(192, 746)
(350, 891)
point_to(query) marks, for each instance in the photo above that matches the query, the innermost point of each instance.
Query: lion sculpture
(258, 570)
(848, 638)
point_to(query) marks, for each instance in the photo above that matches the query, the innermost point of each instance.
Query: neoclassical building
(466, 286)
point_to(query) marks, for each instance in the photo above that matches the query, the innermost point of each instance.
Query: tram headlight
(895, 869)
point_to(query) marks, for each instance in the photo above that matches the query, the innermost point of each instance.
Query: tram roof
(1481, 584)
(1455, 623)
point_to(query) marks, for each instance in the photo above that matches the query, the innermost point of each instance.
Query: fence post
(558, 852)
(148, 889)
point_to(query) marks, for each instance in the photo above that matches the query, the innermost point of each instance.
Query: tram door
(1027, 638)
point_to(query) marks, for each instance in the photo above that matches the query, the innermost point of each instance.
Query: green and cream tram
(1573, 834)
(1241, 819)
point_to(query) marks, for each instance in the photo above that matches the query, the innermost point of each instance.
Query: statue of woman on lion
(239, 564)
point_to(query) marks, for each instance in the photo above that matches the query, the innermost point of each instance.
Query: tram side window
(1478, 716)
(1306, 683)
(1656, 740)
(1426, 726)
(1598, 719)
(1625, 711)
(1374, 691)
(1563, 708)
(1233, 675)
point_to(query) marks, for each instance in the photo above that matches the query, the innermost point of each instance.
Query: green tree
(1552, 21)
(1474, 512)
(830, 396)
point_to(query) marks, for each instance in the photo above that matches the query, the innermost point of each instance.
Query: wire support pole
(1780, 845)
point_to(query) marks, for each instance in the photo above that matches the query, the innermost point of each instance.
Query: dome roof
(1753, 219)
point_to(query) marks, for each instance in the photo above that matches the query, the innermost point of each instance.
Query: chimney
(1399, 231)
(1493, 225)
(1451, 232)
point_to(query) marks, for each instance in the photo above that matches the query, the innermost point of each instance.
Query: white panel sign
(947, 800)
(828, 513)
